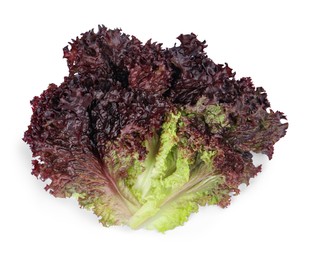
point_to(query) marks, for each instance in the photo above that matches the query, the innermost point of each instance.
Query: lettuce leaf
(144, 135)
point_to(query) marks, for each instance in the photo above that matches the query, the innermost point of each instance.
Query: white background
(267, 40)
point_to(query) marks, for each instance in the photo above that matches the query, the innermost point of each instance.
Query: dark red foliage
(117, 95)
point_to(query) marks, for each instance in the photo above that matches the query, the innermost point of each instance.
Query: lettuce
(143, 136)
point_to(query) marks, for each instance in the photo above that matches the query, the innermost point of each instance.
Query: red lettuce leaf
(117, 95)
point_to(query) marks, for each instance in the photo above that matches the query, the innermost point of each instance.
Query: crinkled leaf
(143, 135)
